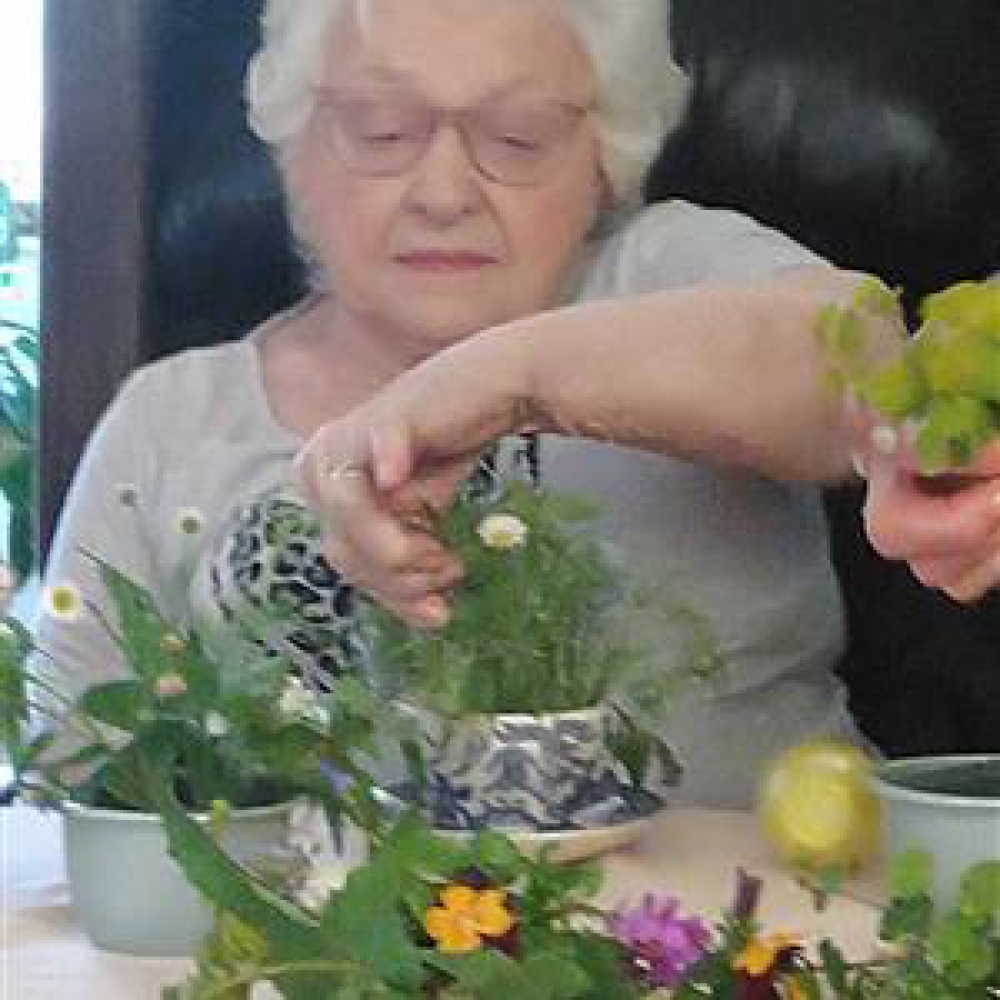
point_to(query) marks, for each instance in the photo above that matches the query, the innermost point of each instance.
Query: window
(20, 197)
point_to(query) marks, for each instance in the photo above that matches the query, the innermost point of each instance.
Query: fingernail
(858, 464)
(884, 439)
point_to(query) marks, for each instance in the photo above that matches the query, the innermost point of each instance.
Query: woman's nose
(446, 183)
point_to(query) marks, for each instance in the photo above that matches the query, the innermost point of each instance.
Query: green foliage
(369, 940)
(18, 434)
(214, 707)
(945, 380)
(541, 624)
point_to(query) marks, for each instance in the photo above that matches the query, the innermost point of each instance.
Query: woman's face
(430, 246)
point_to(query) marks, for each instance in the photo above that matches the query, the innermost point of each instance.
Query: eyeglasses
(518, 144)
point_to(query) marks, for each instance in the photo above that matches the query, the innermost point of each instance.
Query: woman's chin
(440, 324)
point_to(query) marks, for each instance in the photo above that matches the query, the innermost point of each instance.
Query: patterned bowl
(541, 773)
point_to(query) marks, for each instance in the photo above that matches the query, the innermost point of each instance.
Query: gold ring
(344, 470)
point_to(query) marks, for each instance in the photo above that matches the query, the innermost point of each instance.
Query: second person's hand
(946, 526)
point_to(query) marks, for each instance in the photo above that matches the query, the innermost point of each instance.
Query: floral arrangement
(943, 384)
(207, 721)
(431, 917)
(542, 621)
(539, 705)
(219, 708)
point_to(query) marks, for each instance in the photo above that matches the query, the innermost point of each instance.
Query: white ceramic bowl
(129, 895)
(948, 806)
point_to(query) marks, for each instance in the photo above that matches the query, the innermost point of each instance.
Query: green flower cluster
(945, 380)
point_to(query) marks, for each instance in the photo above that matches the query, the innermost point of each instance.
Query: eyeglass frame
(434, 118)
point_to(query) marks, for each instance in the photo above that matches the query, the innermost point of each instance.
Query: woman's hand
(380, 477)
(947, 527)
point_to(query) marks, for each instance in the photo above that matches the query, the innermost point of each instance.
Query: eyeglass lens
(511, 144)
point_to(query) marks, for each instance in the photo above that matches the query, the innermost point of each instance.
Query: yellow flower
(760, 954)
(63, 601)
(466, 916)
(502, 531)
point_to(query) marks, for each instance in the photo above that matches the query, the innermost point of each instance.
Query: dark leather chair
(867, 129)
(870, 131)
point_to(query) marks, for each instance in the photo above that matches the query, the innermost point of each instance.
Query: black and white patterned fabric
(268, 560)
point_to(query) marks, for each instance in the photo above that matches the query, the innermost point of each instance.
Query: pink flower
(170, 685)
(663, 943)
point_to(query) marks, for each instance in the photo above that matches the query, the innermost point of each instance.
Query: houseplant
(18, 412)
(478, 920)
(538, 701)
(219, 710)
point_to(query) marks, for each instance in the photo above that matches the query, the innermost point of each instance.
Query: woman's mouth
(445, 260)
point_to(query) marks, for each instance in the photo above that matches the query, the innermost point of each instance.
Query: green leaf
(490, 975)
(116, 703)
(911, 874)
(906, 917)
(497, 855)
(366, 920)
(962, 949)
(556, 976)
(979, 892)
(141, 627)
(834, 964)
(633, 747)
(291, 934)
(15, 646)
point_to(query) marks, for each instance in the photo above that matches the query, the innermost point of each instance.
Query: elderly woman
(451, 167)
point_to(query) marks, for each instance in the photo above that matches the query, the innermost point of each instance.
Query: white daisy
(502, 531)
(62, 601)
(216, 724)
(190, 521)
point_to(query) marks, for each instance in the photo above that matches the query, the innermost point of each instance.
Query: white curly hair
(641, 92)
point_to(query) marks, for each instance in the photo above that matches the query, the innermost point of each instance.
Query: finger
(429, 611)
(907, 515)
(976, 582)
(412, 587)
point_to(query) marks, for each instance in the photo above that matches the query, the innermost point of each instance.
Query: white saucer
(571, 845)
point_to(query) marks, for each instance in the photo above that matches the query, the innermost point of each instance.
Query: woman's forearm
(728, 374)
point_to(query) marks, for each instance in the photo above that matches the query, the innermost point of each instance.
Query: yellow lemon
(817, 807)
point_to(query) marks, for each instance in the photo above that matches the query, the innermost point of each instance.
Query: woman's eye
(385, 138)
(522, 142)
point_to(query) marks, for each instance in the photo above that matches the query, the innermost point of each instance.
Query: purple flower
(663, 943)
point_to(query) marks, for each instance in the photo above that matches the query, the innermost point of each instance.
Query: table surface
(690, 853)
